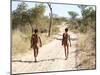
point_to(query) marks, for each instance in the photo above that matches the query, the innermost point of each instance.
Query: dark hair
(35, 30)
(66, 29)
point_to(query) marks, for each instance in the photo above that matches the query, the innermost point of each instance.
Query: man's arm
(69, 41)
(63, 39)
(31, 41)
(40, 42)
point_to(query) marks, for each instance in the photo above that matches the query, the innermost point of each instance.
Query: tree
(73, 15)
(36, 14)
(18, 15)
(82, 8)
(73, 19)
(23, 16)
(88, 17)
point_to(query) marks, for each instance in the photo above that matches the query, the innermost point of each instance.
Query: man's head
(35, 30)
(66, 29)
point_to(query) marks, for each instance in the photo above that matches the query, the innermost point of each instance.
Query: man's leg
(37, 51)
(35, 54)
(65, 50)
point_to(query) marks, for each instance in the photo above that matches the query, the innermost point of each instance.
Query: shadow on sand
(54, 59)
(72, 39)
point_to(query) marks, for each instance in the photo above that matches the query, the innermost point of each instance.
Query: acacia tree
(36, 15)
(73, 16)
(18, 15)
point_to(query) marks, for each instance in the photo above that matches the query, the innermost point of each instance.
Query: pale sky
(60, 9)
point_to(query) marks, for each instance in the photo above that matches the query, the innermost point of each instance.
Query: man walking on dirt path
(65, 42)
(35, 39)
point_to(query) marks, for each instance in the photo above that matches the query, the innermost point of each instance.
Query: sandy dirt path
(50, 57)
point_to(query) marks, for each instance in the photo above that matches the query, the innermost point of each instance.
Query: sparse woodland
(25, 19)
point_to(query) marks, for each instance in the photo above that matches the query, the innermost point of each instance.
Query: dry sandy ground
(50, 57)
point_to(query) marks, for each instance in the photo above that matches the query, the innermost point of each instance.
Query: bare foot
(66, 57)
(35, 60)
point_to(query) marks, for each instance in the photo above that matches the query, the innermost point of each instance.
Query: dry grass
(21, 42)
(86, 53)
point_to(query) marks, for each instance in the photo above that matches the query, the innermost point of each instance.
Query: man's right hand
(40, 45)
(31, 46)
(62, 44)
(70, 45)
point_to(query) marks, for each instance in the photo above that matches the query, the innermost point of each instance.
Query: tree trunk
(49, 32)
